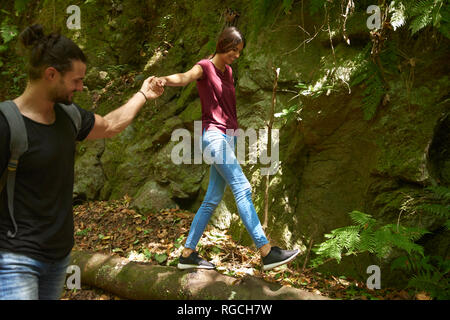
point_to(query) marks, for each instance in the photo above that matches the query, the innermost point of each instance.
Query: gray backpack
(19, 145)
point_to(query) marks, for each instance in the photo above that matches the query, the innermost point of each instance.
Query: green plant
(367, 236)
(370, 73)
(262, 11)
(429, 273)
(439, 204)
(7, 33)
(425, 13)
(421, 14)
(373, 92)
(160, 258)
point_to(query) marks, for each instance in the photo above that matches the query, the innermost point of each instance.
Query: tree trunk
(133, 280)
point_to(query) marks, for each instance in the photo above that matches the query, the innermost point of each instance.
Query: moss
(189, 92)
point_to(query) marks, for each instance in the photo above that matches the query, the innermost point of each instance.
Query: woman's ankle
(265, 249)
(187, 252)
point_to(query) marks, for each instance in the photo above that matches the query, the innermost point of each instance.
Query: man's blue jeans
(24, 278)
(218, 149)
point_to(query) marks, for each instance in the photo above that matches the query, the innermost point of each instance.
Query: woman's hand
(161, 81)
(152, 87)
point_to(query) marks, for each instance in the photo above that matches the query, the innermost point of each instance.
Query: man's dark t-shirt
(44, 187)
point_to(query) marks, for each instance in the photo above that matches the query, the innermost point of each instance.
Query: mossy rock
(152, 198)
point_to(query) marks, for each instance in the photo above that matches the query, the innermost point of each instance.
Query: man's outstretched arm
(117, 120)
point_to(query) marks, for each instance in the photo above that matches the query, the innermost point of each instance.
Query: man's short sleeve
(87, 123)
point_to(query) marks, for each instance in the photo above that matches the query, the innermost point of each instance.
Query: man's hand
(152, 87)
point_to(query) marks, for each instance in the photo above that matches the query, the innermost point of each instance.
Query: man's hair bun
(52, 50)
(32, 35)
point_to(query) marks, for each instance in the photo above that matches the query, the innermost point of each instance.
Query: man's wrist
(141, 92)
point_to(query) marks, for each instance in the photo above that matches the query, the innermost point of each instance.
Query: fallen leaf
(422, 296)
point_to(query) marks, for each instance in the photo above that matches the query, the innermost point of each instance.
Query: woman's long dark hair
(53, 50)
(228, 40)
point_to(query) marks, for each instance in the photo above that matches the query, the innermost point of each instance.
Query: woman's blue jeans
(218, 149)
(24, 278)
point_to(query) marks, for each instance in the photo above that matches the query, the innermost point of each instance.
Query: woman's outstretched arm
(182, 79)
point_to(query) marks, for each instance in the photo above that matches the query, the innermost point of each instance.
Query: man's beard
(64, 99)
(60, 95)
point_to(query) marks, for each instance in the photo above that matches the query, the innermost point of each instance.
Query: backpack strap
(74, 114)
(18, 145)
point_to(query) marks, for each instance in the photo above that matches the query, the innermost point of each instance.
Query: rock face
(332, 161)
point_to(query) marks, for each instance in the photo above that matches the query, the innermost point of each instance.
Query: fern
(437, 209)
(403, 238)
(363, 237)
(441, 195)
(362, 219)
(422, 13)
(432, 278)
(373, 92)
(343, 238)
(431, 282)
(368, 74)
(430, 273)
(398, 14)
(425, 13)
(440, 191)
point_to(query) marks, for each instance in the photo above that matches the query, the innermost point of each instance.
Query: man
(35, 242)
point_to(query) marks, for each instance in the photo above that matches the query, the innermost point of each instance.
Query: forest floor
(111, 227)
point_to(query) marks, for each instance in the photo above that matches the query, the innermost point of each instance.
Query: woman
(217, 94)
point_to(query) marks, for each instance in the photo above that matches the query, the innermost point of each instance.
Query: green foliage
(7, 33)
(314, 91)
(160, 258)
(425, 13)
(262, 10)
(346, 238)
(430, 273)
(398, 14)
(421, 14)
(368, 74)
(432, 277)
(365, 236)
(440, 205)
(288, 113)
(373, 92)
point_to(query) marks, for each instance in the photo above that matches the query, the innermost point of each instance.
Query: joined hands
(153, 87)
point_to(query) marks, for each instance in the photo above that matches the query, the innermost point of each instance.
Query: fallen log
(138, 281)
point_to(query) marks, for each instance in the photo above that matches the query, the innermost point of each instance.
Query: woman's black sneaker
(278, 257)
(193, 261)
